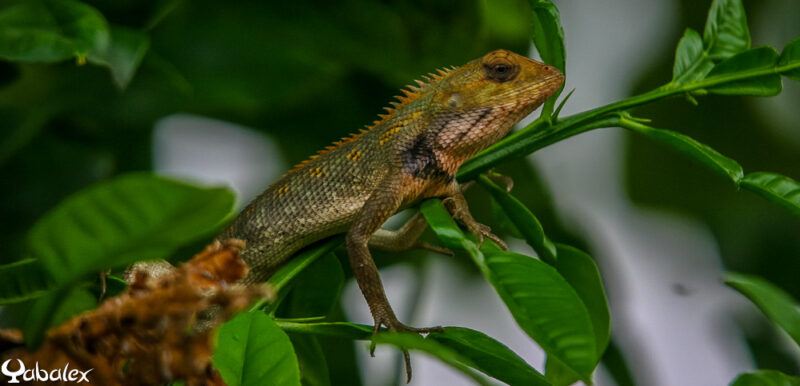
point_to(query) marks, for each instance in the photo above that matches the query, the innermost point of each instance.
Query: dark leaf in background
(281, 281)
(317, 288)
(51, 31)
(123, 55)
(311, 360)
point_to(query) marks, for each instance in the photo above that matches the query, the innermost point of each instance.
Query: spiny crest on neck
(410, 93)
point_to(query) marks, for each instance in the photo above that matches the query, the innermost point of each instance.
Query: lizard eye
(500, 70)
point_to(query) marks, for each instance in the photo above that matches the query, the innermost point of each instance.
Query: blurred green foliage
(323, 69)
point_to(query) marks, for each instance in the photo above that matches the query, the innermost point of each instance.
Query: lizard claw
(480, 231)
(394, 325)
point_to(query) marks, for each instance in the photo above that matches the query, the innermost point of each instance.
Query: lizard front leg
(378, 208)
(456, 204)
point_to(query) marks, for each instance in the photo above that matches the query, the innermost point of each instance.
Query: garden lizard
(411, 153)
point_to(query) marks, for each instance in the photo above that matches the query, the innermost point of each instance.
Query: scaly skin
(413, 152)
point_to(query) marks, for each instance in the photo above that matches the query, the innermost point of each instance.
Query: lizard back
(321, 196)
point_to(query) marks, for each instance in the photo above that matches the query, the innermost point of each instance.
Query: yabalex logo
(43, 375)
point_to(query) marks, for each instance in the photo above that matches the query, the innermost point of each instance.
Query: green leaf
(311, 360)
(489, 356)
(559, 374)
(547, 308)
(23, 280)
(450, 357)
(726, 32)
(689, 146)
(457, 347)
(51, 31)
(779, 189)
(123, 55)
(541, 301)
(765, 378)
(776, 304)
(582, 274)
(502, 220)
(53, 309)
(774, 187)
(129, 218)
(790, 57)
(760, 58)
(443, 224)
(691, 61)
(332, 329)
(252, 350)
(317, 288)
(548, 36)
(523, 219)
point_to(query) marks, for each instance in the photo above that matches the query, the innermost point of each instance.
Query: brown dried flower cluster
(159, 330)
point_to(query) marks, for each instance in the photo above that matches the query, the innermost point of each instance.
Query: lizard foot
(458, 209)
(394, 325)
(480, 231)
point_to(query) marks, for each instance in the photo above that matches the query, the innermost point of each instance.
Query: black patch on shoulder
(420, 161)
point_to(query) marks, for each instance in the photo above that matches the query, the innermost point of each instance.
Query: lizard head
(476, 104)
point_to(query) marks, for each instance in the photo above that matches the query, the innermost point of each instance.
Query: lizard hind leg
(405, 238)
